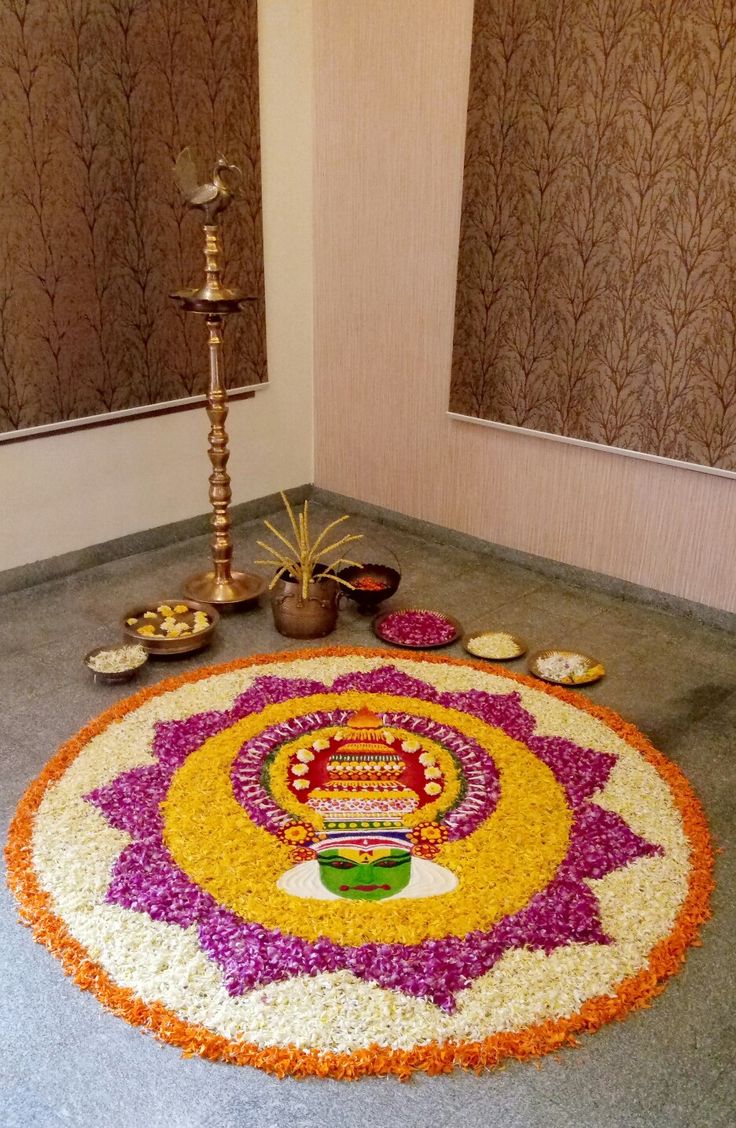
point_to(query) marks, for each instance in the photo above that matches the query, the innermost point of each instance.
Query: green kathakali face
(365, 875)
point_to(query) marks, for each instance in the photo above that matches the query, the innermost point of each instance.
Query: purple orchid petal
(566, 912)
(174, 740)
(145, 879)
(269, 690)
(131, 802)
(601, 842)
(581, 771)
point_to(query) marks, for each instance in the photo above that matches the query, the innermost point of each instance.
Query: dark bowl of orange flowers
(371, 584)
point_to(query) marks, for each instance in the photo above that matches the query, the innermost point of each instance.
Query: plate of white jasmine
(565, 667)
(113, 664)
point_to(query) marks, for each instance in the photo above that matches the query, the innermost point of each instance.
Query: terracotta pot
(312, 617)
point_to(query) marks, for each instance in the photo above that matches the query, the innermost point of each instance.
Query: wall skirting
(554, 569)
(56, 567)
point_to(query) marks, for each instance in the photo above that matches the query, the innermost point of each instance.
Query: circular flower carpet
(349, 862)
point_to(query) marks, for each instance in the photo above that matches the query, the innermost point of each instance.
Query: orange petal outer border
(665, 959)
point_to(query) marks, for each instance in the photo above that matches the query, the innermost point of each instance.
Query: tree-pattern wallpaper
(97, 97)
(597, 274)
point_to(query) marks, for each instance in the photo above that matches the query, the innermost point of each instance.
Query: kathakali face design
(364, 872)
(365, 791)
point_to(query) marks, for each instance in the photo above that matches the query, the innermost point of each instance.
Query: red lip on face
(363, 888)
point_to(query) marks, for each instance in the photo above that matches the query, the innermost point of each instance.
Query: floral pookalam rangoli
(342, 862)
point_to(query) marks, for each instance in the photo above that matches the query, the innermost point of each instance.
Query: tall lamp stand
(221, 585)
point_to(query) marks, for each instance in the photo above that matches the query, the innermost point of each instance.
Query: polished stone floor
(65, 1061)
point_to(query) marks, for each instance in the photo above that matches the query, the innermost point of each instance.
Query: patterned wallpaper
(97, 98)
(597, 275)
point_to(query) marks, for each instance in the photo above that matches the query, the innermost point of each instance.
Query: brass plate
(379, 619)
(115, 677)
(242, 589)
(475, 636)
(163, 647)
(593, 672)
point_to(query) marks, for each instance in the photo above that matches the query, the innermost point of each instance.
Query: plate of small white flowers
(565, 667)
(497, 646)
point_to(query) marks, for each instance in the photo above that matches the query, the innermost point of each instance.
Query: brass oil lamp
(221, 585)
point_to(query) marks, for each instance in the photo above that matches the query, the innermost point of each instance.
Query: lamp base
(240, 588)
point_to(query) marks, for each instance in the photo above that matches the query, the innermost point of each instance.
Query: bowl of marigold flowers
(173, 626)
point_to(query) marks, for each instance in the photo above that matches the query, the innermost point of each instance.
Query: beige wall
(66, 491)
(390, 92)
(391, 86)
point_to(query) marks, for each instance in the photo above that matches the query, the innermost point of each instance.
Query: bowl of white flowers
(115, 664)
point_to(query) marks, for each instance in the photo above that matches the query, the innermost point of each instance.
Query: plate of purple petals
(417, 628)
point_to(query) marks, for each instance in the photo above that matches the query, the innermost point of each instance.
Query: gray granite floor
(65, 1061)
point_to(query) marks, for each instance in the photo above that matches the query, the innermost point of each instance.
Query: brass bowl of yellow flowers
(173, 626)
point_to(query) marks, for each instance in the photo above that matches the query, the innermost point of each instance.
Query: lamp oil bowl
(371, 584)
(171, 627)
(113, 665)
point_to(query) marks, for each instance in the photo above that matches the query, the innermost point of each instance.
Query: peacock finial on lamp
(213, 300)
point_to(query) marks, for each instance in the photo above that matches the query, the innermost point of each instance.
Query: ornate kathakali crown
(363, 788)
(365, 782)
